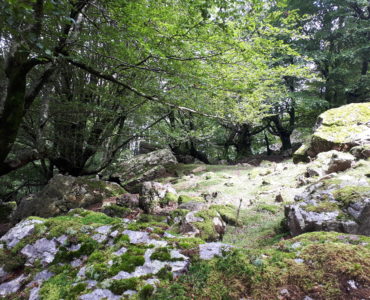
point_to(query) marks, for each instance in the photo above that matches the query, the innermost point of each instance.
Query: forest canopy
(84, 82)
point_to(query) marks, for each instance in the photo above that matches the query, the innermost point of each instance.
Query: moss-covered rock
(142, 168)
(228, 214)
(186, 199)
(63, 193)
(338, 129)
(338, 204)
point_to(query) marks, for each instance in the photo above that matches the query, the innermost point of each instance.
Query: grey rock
(43, 250)
(3, 274)
(128, 200)
(19, 232)
(12, 286)
(76, 263)
(137, 237)
(100, 294)
(99, 237)
(121, 251)
(103, 229)
(130, 293)
(43, 275)
(34, 294)
(210, 250)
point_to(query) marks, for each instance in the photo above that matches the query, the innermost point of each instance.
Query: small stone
(103, 229)
(76, 263)
(121, 251)
(209, 250)
(99, 237)
(100, 294)
(284, 292)
(279, 198)
(352, 284)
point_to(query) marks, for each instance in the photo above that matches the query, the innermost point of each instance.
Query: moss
(146, 292)
(109, 189)
(268, 207)
(301, 154)
(145, 218)
(177, 213)
(186, 199)
(74, 221)
(61, 286)
(228, 214)
(98, 271)
(115, 210)
(168, 198)
(97, 256)
(118, 287)
(351, 194)
(128, 261)
(187, 242)
(11, 262)
(328, 259)
(206, 227)
(162, 254)
(322, 206)
(165, 273)
(88, 246)
(158, 227)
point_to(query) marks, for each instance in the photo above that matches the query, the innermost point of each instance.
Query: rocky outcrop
(63, 193)
(338, 129)
(88, 255)
(340, 203)
(141, 168)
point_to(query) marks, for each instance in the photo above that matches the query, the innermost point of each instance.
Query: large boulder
(145, 167)
(338, 129)
(340, 203)
(63, 193)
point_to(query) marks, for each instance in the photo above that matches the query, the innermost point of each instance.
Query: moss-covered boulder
(63, 193)
(338, 129)
(140, 168)
(340, 203)
(206, 224)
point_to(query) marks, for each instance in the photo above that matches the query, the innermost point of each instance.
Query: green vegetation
(324, 259)
(122, 285)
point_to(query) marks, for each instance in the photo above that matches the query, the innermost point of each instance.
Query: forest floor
(260, 191)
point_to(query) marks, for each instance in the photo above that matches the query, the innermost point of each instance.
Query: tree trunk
(243, 142)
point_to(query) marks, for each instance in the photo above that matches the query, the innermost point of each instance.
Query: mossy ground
(313, 264)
